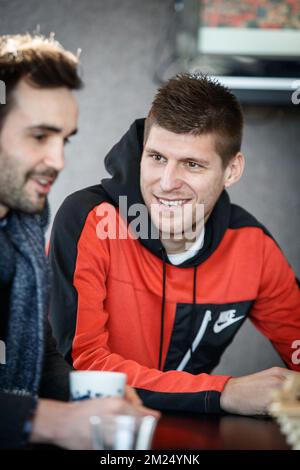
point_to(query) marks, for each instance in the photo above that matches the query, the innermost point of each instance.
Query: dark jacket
(16, 411)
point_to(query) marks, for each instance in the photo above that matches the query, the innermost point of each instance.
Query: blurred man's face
(180, 170)
(32, 142)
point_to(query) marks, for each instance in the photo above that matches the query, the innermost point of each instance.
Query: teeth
(43, 181)
(178, 202)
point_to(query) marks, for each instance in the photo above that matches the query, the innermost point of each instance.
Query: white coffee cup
(94, 384)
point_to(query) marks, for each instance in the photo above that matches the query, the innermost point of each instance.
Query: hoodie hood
(123, 164)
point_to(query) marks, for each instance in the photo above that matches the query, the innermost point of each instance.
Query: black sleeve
(55, 375)
(15, 413)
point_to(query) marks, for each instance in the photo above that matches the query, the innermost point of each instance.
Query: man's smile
(43, 182)
(171, 202)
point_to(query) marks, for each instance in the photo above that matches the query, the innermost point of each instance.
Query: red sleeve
(90, 345)
(276, 312)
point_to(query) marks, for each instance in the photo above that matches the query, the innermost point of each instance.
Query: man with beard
(37, 120)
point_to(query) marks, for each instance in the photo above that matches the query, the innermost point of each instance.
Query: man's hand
(253, 394)
(132, 397)
(67, 424)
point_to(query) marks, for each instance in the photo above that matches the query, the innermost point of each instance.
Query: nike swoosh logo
(222, 325)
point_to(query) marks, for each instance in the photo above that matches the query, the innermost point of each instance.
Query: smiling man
(180, 173)
(32, 145)
(164, 302)
(37, 120)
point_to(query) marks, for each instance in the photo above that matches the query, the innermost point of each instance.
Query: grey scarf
(24, 273)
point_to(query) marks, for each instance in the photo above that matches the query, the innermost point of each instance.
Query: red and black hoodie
(120, 305)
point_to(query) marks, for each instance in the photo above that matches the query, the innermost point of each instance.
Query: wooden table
(210, 432)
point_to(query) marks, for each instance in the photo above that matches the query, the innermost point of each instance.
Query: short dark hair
(197, 104)
(42, 61)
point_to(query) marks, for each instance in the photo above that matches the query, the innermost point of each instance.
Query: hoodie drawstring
(193, 317)
(162, 320)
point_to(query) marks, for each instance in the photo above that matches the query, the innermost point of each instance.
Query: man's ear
(234, 170)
